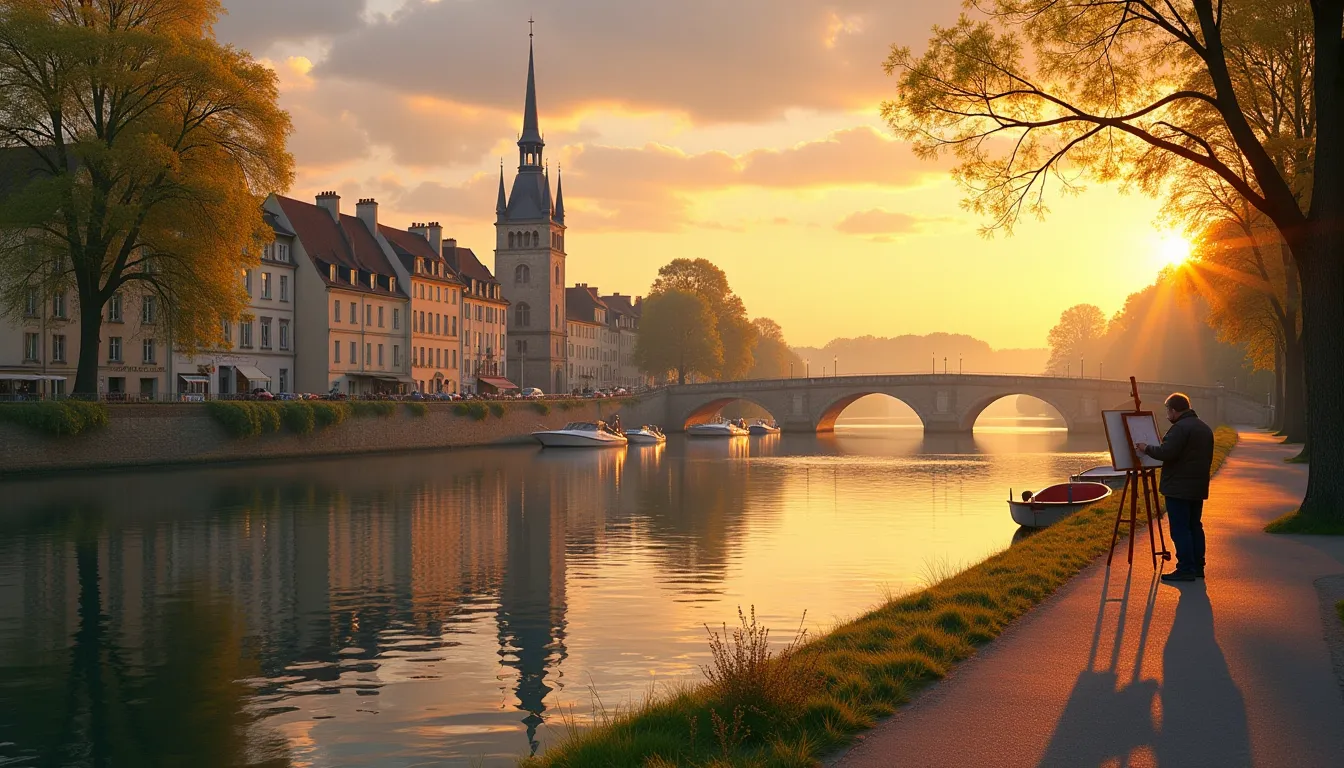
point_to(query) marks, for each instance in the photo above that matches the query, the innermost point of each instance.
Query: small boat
(1050, 505)
(763, 427)
(720, 428)
(581, 434)
(649, 434)
(1108, 476)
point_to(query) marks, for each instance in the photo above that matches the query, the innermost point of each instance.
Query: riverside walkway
(1119, 669)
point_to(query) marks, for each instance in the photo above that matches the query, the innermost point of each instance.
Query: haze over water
(447, 608)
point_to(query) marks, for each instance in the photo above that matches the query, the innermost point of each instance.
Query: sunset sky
(743, 132)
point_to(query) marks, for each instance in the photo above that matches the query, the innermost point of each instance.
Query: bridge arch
(974, 408)
(706, 411)
(830, 413)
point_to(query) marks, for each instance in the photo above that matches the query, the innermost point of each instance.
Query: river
(460, 607)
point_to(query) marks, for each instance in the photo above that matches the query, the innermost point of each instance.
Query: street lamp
(1068, 370)
(1099, 367)
(807, 369)
(958, 363)
(935, 363)
(1081, 362)
(944, 365)
(835, 365)
(790, 370)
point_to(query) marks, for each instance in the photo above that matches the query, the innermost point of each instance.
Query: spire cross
(530, 22)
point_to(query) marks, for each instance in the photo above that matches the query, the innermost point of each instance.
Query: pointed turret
(559, 197)
(546, 201)
(531, 131)
(501, 205)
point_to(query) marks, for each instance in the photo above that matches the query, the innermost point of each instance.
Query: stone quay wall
(185, 433)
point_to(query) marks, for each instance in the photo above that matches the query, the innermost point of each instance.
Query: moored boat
(649, 434)
(581, 434)
(1050, 505)
(720, 428)
(763, 427)
(1109, 476)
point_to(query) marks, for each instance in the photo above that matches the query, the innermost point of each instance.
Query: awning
(52, 378)
(29, 377)
(252, 374)
(498, 382)
(194, 379)
(396, 379)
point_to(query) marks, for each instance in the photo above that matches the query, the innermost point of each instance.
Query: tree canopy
(137, 152)
(676, 335)
(772, 358)
(736, 333)
(1076, 337)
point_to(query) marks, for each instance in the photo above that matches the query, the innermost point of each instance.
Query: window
(480, 313)
(227, 329)
(245, 334)
(284, 338)
(354, 353)
(557, 274)
(336, 311)
(284, 375)
(396, 355)
(114, 308)
(265, 285)
(522, 315)
(247, 280)
(265, 333)
(380, 317)
(58, 305)
(380, 355)
(392, 284)
(147, 351)
(557, 315)
(30, 347)
(536, 239)
(368, 353)
(510, 239)
(284, 289)
(368, 315)
(336, 351)
(284, 256)
(522, 274)
(30, 304)
(58, 348)
(354, 313)
(331, 273)
(521, 346)
(454, 331)
(148, 309)
(454, 358)
(114, 349)
(396, 318)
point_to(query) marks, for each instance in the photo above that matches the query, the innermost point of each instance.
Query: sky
(745, 132)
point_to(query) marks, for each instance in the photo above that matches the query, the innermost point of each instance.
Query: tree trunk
(1294, 426)
(1322, 271)
(1276, 426)
(90, 343)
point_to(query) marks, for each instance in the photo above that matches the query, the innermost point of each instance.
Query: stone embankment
(186, 433)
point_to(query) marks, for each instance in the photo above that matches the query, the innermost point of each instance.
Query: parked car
(262, 394)
(532, 393)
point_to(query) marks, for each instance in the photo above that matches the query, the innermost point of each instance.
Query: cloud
(883, 223)
(257, 24)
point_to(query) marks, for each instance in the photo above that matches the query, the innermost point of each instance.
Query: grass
(790, 709)
(1295, 522)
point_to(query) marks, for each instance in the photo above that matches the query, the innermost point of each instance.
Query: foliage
(744, 671)
(246, 418)
(235, 417)
(865, 668)
(298, 417)
(418, 409)
(327, 414)
(1077, 337)
(383, 408)
(497, 409)
(1295, 522)
(56, 417)
(735, 333)
(541, 408)
(772, 358)
(475, 409)
(146, 148)
(676, 334)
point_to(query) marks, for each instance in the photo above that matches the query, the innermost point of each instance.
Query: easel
(1139, 479)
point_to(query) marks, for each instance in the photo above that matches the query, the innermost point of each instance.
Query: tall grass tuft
(743, 670)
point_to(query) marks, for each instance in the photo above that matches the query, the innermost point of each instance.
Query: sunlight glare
(1170, 249)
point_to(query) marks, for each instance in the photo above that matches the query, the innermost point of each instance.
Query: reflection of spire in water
(532, 598)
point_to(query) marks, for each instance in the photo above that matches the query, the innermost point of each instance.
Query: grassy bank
(791, 709)
(1293, 522)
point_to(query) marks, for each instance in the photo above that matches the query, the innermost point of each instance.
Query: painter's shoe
(1179, 575)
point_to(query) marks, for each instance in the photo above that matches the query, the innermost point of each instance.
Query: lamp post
(944, 365)
(790, 370)
(958, 363)
(1081, 362)
(1099, 367)
(835, 365)
(935, 363)
(1068, 370)
(807, 369)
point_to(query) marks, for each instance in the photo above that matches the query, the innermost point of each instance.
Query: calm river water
(455, 608)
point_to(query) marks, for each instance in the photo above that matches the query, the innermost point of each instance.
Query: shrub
(299, 417)
(56, 417)
(460, 409)
(327, 414)
(267, 416)
(743, 671)
(497, 409)
(541, 408)
(418, 409)
(234, 417)
(477, 411)
(382, 408)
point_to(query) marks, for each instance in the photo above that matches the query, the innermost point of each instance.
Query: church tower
(530, 258)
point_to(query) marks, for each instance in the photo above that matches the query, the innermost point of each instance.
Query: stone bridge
(944, 402)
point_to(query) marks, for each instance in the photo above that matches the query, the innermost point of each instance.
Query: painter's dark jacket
(1186, 454)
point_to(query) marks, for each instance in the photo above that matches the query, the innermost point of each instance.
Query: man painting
(1186, 454)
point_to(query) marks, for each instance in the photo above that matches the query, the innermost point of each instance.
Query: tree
(772, 358)
(1044, 93)
(140, 151)
(676, 334)
(1078, 336)
(735, 331)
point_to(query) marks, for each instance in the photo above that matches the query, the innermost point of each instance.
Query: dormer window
(373, 280)
(392, 284)
(331, 272)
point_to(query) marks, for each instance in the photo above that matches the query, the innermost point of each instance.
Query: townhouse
(484, 323)
(436, 301)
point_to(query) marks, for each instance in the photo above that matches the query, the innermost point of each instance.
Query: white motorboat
(581, 434)
(1050, 505)
(763, 427)
(649, 434)
(1108, 476)
(720, 428)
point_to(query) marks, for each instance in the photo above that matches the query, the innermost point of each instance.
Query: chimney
(367, 211)
(450, 243)
(332, 203)
(435, 236)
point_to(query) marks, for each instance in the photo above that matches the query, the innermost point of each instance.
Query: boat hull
(715, 430)
(1111, 478)
(644, 438)
(762, 429)
(572, 440)
(1044, 510)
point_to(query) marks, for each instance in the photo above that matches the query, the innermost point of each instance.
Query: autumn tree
(1040, 95)
(736, 333)
(1078, 336)
(137, 152)
(676, 335)
(772, 358)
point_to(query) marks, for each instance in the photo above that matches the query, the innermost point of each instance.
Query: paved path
(1120, 669)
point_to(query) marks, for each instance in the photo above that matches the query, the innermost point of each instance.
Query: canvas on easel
(1123, 430)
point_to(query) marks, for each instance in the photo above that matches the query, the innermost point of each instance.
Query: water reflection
(441, 607)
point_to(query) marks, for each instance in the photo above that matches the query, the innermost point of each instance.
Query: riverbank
(865, 669)
(147, 435)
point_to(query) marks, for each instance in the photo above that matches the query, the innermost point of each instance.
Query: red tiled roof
(582, 303)
(621, 304)
(465, 262)
(411, 246)
(350, 246)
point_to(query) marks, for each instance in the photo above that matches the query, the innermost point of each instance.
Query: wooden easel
(1139, 480)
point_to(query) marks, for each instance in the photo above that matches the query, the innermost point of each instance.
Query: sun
(1169, 249)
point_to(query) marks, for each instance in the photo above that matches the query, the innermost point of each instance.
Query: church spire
(530, 143)
(559, 196)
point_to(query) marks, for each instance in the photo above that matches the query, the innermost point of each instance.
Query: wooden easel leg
(1148, 490)
(1157, 503)
(1119, 513)
(1133, 517)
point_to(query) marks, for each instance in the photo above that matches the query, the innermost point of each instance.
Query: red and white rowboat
(1050, 505)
